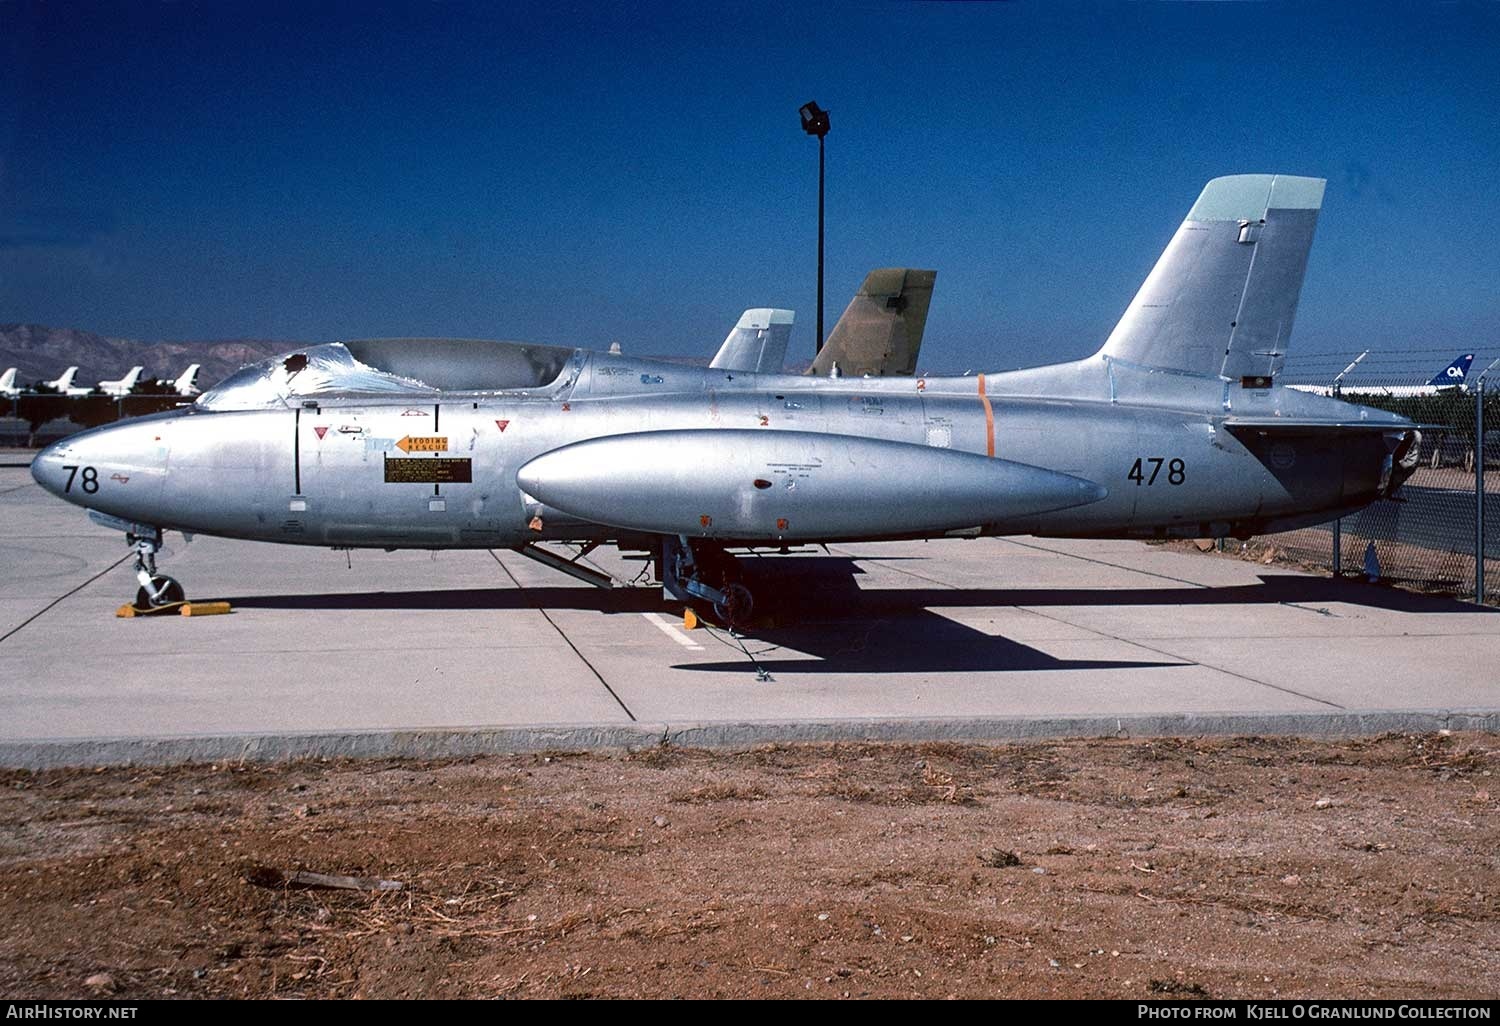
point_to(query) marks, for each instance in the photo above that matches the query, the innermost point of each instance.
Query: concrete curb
(463, 742)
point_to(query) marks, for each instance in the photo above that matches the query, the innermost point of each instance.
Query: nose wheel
(156, 589)
(159, 590)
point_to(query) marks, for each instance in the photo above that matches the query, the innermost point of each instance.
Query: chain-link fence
(1427, 535)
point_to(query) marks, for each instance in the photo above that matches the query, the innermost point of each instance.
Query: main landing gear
(156, 589)
(702, 574)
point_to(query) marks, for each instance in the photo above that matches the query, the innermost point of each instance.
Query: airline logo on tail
(1455, 373)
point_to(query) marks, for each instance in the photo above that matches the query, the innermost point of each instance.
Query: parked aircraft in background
(880, 332)
(8, 389)
(1176, 427)
(121, 387)
(187, 384)
(64, 384)
(757, 342)
(1452, 376)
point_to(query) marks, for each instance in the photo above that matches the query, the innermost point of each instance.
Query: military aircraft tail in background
(880, 332)
(757, 342)
(121, 387)
(187, 384)
(64, 384)
(1175, 427)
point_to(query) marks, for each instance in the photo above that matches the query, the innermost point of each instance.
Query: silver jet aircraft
(1176, 427)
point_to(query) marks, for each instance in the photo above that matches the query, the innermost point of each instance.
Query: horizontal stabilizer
(1289, 426)
(757, 343)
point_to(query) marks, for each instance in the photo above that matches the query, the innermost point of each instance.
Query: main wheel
(164, 591)
(737, 606)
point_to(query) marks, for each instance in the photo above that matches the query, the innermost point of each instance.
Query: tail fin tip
(1248, 197)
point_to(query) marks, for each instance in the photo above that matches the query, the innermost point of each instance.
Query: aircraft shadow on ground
(847, 632)
(914, 642)
(824, 589)
(814, 606)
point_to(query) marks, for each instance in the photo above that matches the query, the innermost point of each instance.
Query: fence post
(1479, 492)
(1338, 525)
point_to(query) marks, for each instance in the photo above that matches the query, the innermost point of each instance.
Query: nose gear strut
(156, 589)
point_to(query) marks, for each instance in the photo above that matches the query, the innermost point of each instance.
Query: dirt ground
(1230, 868)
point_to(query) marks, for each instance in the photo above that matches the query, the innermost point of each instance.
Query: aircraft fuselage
(1151, 455)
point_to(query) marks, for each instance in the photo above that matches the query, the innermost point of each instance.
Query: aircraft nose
(47, 468)
(116, 469)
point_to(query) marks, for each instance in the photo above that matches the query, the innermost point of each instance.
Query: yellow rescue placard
(423, 443)
(439, 470)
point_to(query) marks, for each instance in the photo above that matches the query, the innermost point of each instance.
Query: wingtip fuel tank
(778, 486)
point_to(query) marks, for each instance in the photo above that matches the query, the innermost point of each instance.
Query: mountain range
(41, 353)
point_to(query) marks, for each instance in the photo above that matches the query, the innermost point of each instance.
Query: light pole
(815, 122)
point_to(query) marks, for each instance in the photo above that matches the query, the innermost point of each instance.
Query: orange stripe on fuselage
(989, 420)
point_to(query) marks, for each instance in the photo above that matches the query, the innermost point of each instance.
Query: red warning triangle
(321, 431)
(502, 425)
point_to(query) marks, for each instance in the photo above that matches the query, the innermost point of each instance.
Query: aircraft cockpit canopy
(390, 366)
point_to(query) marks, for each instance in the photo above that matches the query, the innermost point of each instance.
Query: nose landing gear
(156, 589)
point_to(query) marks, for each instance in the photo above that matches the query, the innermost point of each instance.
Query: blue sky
(603, 172)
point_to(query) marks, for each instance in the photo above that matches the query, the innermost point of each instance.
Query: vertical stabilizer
(8, 381)
(65, 382)
(757, 343)
(1221, 299)
(188, 383)
(1453, 375)
(880, 333)
(121, 386)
